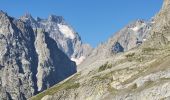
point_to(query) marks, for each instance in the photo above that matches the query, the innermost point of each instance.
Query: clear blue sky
(94, 20)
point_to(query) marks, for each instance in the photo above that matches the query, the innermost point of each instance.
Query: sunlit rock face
(130, 37)
(160, 33)
(162, 19)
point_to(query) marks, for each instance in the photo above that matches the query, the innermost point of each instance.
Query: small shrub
(105, 66)
(130, 55)
(148, 49)
(134, 86)
(112, 90)
(73, 86)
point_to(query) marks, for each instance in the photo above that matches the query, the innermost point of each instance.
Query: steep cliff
(66, 38)
(30, 61)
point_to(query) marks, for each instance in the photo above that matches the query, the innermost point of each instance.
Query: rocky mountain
(66, 38)
(30, 60)
(123, 71)
(131, 36)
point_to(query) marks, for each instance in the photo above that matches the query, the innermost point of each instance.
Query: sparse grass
(148, 49)
(108, 79)
(105, 66)
(112, 90)
(73, 86)
(104, 77)
(69, 84)
(130, 55)
(133, 86)
(150, 68)
(148, 83)
(140, 59)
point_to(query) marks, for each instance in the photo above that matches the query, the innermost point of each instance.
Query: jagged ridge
(30, 60)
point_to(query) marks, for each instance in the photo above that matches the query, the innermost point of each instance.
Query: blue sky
(94, 20)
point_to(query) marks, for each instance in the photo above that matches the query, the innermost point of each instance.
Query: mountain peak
(54, 18)
(3, 15)
(136, 22)
(29, 20)
(1, 12)
(27, 16)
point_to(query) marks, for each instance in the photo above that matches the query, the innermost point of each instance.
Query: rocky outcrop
(117, 48)
(30, 61)
(162, 19)
(131, 36)
(18, 58)
(66, 38)
(53, 65)
(160, 33)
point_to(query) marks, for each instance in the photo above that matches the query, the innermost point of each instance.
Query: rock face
(133, 34)
(162, 19)
(141, 73)
(117, 48)
(66, 38)
(30, 61)
(53, 65)
(18, 58)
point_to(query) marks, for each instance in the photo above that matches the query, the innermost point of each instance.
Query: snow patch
(135, 29)
(78, 60)
(66, 31)
(144, 39)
